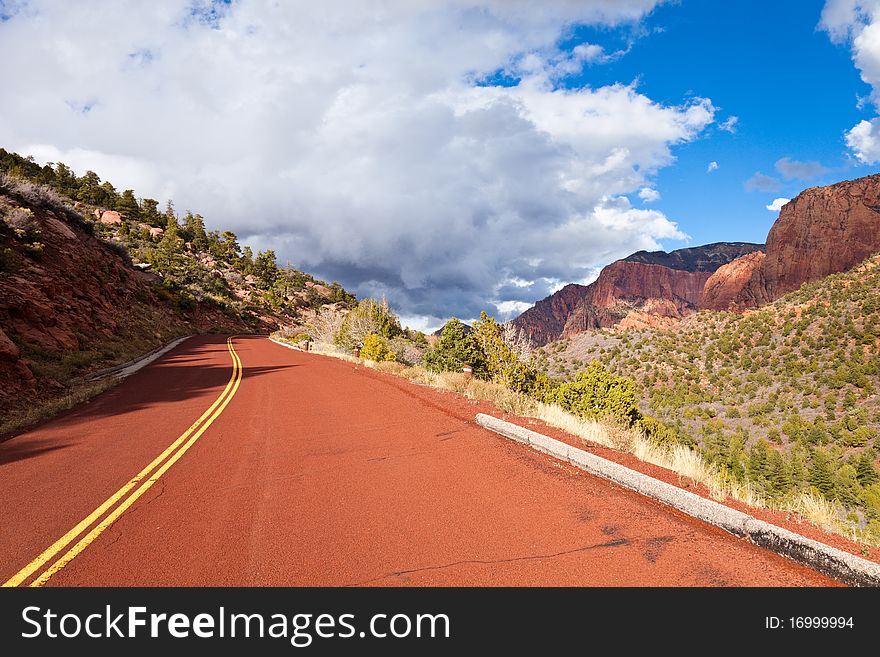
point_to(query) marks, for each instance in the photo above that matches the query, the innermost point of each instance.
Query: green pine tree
(195, 229)
(779, 475)
(820, 474)
(866, 472)
(246, 262)
(89, 188)
(150, 212)
(456, 348)
(128, 205)
(757, 466)
(65, 180)
(169, 214)
(265, 268)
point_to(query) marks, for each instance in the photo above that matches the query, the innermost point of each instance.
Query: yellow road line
(207, 417)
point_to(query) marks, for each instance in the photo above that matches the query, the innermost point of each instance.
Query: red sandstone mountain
(725, 285)
(641, 287)
(623, 287)
(824, 230)
(545, 321)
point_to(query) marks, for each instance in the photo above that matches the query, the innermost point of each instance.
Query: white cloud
(729, 124)
(858, 23)
(352, 137)
(762, 183)
(589, 52)
(713, 166)
(797, 170)
(649, 194)
(513, 308)
(864, 141)
(777, 204)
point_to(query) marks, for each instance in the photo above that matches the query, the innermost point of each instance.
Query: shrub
(455, 349)
(8, 261)
(408, 352)
(324, 325)
(502, 363)
(596, 393)
(23, 225)
(367, 317)
(40, 196)
(661, 433)
(376, 348)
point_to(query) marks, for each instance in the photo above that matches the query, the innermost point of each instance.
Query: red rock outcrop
(623, 287)
(544, 321)
(73, 294)
(728, 282)
(823, 231)
(658, 284)
(111, 217)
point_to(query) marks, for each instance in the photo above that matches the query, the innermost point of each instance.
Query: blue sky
(794, 92)
(452, 155)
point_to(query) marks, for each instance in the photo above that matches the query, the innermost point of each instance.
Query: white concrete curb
(132, 366)
(286, 344)
(835, 563)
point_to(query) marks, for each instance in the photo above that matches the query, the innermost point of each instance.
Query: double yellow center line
(128, 494)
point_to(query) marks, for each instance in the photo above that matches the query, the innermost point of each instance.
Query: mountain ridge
(705, 258)
(639, 284)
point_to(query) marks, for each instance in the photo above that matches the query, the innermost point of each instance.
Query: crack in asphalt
(156, 497)
(618, 542)
(118, 535)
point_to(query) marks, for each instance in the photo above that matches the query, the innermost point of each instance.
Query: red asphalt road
(321, 472)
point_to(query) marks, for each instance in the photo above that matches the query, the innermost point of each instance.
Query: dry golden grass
(590, 431)
(825, 515)
(680, 459)
(689, 464)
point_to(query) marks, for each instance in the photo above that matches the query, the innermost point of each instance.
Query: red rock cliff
(728, 282)
(823, 231)
(74, 296)
(623, 287)
(656, 284)
(544, 321)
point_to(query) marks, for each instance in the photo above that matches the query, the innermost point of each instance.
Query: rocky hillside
(784, 392)
(785, 396)
(90, 278)
(545, 321)
(706, 258)
(645, 289)
(68, 300)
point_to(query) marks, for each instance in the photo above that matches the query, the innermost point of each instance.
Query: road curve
(320, 472)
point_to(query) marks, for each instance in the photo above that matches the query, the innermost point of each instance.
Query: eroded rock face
(727, 283)
(111, 218)
(544, 321)
(69, 296)
(823, 231)
(8, 349)
(667, 286)
(625, 286)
